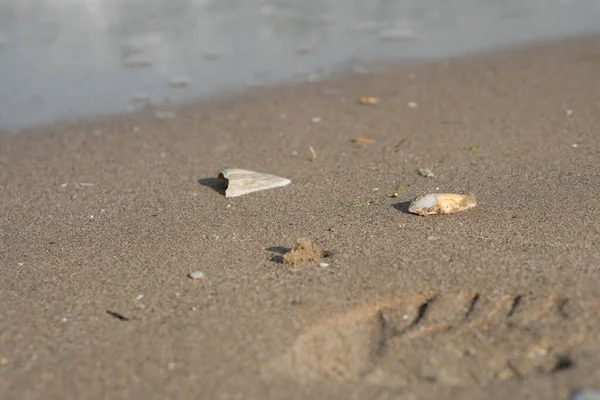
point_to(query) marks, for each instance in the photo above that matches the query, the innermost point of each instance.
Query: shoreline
(102, 219)
(375, 67)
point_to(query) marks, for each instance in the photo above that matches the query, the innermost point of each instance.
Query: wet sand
(500, 301)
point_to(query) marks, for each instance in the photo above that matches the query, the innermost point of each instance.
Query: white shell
(242, 181)
(197, 275)
(442, 203)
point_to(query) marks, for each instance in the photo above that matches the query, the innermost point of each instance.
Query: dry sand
(501, 301)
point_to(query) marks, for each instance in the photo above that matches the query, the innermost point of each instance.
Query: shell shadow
(402, 207)
(216, 184)
(279, 252)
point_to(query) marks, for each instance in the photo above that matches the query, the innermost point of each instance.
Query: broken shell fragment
(242, 181)
(442, 203)
(369, 100)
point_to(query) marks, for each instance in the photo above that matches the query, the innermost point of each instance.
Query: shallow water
(67, 59)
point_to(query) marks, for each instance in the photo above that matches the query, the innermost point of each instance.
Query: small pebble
(315, 120)
(139, 297)
(412, 104)
(323, 264)
(569, 113)
(211, 236)
(197, 276)
(574, 145)
(433, 237)
(64, 185)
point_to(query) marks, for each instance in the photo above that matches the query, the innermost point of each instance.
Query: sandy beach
(103, 220)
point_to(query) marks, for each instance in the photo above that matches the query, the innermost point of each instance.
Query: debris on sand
(395, 193)
(313, 153)
(426, 172)
(117, 315)
(365, 140)
(242, 181)
(304, 251)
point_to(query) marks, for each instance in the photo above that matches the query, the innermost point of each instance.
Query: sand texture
(102, 221)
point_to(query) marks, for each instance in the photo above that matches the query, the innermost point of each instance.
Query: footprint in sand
(443, 338)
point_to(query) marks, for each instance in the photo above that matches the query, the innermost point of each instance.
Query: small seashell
(242, 181)
(442, 203)
(197, 275)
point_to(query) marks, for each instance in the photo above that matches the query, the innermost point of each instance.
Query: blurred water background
(68, 59)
